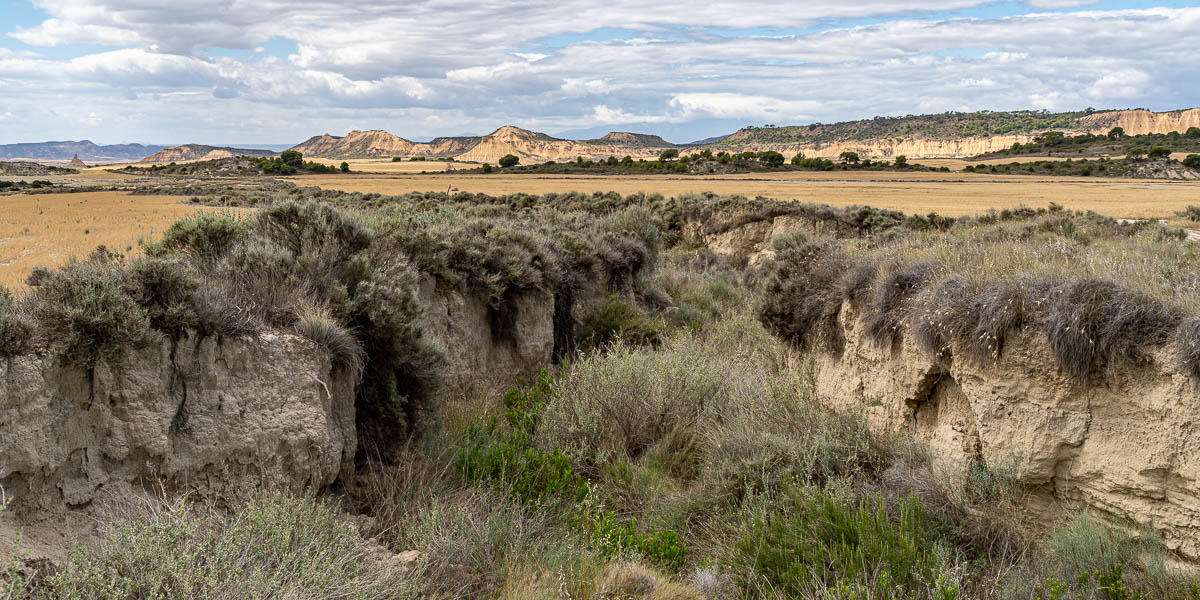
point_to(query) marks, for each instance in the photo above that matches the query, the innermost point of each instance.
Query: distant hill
(530, 145)
(86, 151)
(946, 135)
(200, 152)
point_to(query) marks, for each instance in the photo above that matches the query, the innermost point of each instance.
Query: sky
(280, 71)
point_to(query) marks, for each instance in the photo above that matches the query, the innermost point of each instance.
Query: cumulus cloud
(428, 67)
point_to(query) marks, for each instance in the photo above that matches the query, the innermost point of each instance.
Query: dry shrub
(883, 316)
(941, 315)
(315, 323)
(271, 546)
(83, 309)
(618, 404)
(1095, 323)
(1000, 309)
(16, 329)
(1188, 353)
(801, 300)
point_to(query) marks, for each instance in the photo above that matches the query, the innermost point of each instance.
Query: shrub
(1095, 323)
(486, 168)
(206, 236)
(820, 539)
(1085, 549)
(615, 318)
(614, 538)
(83, 308)
(345, 167)
(272, 545)
(882, 317)
(165, 288)
(508, 160)
(16, 331)
(509, 457)
(618, 405)
(1158, 152)
(800, 298)
(316, 324)
(1192, 161)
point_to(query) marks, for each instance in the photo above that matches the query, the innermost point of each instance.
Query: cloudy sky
(279, 71)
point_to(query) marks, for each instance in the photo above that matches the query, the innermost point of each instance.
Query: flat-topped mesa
(189, 152)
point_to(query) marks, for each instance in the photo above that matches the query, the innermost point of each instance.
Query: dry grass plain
(952, 194)
(48, 229)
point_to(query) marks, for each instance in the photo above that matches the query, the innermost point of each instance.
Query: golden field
(48, 229)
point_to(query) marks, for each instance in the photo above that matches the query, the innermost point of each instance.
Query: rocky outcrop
(76, 163)
(483, 343)
(188, 152)
(213, 417)
(1123, 444)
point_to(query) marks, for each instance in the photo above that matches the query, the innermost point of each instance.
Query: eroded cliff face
(216, 418)
(482, 343)
(1123, 444)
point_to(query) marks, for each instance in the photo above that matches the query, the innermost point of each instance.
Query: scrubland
(677, 450)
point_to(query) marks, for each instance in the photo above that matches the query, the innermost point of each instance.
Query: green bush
(614, 538)
(165, 288)
(615, 318)
(83, 308)
(206, 236)
(509, 458)
(508, 160)
(819, 539)
(1192, 161)
(272, 546)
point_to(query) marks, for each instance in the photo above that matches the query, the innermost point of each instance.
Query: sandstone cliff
(1139, 122)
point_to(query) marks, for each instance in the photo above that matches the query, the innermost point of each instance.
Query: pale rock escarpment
(1139, 122)
(216, 418)
(1122, 444)
(482, 343)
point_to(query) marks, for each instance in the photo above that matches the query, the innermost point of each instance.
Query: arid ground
(48, 229)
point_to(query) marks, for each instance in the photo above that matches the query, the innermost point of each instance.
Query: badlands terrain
(331, 373)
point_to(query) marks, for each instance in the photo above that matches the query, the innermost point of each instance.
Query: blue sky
(276, 71)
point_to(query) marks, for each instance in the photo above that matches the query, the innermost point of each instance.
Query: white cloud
(427, 67)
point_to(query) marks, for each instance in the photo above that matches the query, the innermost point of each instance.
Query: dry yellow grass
(952, 194)
(48, 229)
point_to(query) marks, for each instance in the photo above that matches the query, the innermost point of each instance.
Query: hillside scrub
(966, 288)
(702, 466)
